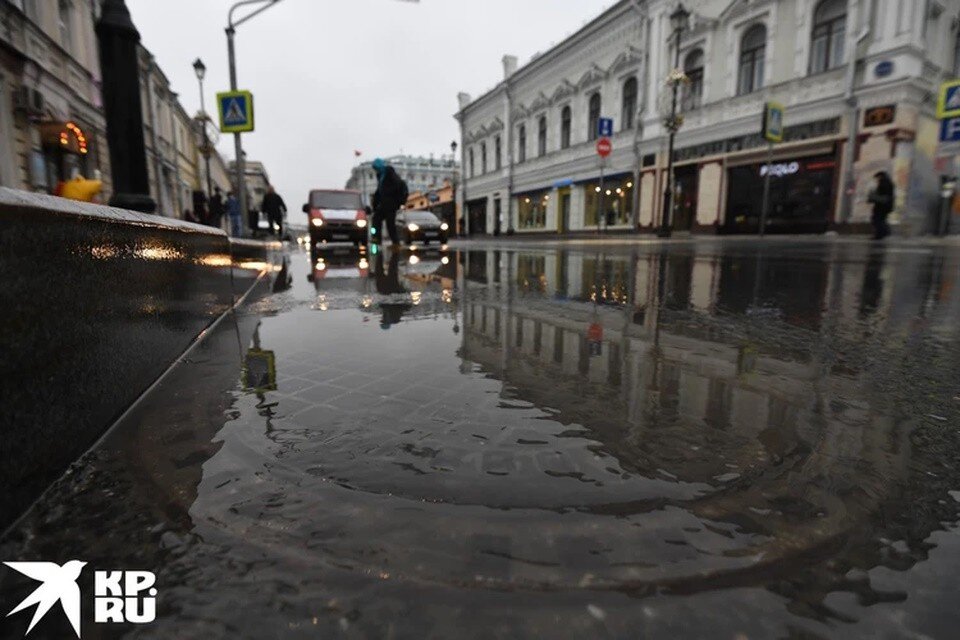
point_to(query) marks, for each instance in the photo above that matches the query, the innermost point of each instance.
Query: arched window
(566, 118)
(753, 49)
(593, 120)
(542, 136)
(522, 144)
(483, 157)
(65, 24)
(829, 32)
(693, 91)
(629, 112)
(497, 154)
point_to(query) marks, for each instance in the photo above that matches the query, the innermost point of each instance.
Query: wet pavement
(725, 440)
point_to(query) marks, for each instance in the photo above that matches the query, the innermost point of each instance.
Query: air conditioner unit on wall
(37, 102)
(21, 99)
(29, 101)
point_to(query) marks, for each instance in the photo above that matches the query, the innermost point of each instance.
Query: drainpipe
(639, 6)
(853, 116)
(509, 91)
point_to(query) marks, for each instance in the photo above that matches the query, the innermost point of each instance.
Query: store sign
(880, 116)
(780, 170)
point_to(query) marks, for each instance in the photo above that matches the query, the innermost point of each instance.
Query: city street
(724, 439)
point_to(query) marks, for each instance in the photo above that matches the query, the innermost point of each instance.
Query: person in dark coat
(274, 206)
(882, 197)
(391, 194)
(215, 218)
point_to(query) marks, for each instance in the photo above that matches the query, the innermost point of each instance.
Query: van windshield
(335, 200)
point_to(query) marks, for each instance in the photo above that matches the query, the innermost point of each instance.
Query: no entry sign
(604, 147)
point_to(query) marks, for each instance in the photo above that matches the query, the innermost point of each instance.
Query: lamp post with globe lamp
(673, 121)
(201, 70)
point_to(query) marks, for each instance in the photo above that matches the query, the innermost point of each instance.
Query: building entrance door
(685, 198)
(563, 212)
(477, 210)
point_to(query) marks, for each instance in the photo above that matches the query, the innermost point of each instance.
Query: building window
(522, 144)
(566, 117)
(32, 10)
(483, 157)
(542, 136)
(497, 154)
(753, 49)
(593, 121)
(629, 103)
(473, 166)
(693, 91)
(617, 202)
(829, 31)
(532, 210)
(66, 36)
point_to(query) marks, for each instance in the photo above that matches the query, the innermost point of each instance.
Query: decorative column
(119, 65)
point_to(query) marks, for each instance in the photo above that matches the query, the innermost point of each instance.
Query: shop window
(829, 32)
(566, 118)
(693, 91)
(593, 120)
(522, 144)
(542, 136)
(617, 202)
(497, 154)
(753, 50)
(629, 103)
(532, 210)
(483, 157)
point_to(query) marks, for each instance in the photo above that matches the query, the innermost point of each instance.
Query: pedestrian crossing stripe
(948, 105)
(236, 111)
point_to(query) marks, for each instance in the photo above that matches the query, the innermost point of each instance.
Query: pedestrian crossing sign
(236, 111)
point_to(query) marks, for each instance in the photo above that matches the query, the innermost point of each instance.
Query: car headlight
(444, 227)
(413, 226)
(362, 224)
(317, 222)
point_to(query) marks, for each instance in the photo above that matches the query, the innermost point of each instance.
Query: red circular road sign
(604, 147)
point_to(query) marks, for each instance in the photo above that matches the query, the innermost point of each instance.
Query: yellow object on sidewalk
(81, 189)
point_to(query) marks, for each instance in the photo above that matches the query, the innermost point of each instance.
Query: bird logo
(59, 583)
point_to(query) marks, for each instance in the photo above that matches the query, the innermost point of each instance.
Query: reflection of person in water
(388, 284)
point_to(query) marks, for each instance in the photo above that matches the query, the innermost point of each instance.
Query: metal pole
(363, 184)
(668, 192)
(206, 140)
(240, 164)
(601, 201)
(766, 191)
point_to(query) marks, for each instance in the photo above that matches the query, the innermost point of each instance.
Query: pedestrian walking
(275, 208)
(235, 215)
(390, 196)
(215, 218)
(200, 206)
(882, 197)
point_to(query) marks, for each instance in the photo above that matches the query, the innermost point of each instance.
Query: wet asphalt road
(724, 440)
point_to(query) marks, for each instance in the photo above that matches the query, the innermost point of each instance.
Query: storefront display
(617, 202)
(802, 195)
(532, 210)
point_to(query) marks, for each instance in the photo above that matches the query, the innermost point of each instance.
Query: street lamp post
(231, 31)
(201, 71)
(678, 20)
(453, 185)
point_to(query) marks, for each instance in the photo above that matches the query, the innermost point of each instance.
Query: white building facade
(857, 79)
(422, 174)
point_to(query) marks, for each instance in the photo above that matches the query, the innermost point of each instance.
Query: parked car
(336, 216)
(421, 226)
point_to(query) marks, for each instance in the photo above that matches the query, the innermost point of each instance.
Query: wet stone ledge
(96, 304)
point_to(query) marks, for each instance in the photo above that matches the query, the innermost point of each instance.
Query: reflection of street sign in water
(260, 371)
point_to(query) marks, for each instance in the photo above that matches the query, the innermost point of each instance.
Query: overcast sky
(333, 76)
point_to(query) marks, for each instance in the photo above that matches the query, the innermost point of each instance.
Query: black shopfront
(802, 195)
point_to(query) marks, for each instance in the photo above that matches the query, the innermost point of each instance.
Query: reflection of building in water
(751, 375)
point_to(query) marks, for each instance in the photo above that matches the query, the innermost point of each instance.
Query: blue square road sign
(605, 127)
(236, 111)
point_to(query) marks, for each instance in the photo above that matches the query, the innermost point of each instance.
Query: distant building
(421, 174)
(52, 125)
(440, 201)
